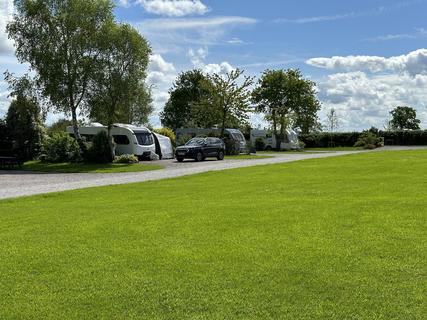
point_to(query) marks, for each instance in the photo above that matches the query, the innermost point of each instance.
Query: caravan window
(121, 139)
(144, 138)
(238, 136)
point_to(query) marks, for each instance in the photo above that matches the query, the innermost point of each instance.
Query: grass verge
(87, 168)
(336, 238)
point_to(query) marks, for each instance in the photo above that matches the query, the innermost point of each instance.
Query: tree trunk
(111, 142)
(224, 115)
(276, 136)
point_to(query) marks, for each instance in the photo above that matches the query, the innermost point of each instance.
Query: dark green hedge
(348, 139)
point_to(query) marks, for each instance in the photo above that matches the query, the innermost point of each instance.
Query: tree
(228, 97)
(184, 108)
(119, 79)
(404, 118)
(57, 38)
(24, 126)
(286, 99)
(332, 120)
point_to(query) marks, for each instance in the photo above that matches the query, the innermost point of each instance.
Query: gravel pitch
(21, 183)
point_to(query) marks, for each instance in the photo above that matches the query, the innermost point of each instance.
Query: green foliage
(259, 144)
(323, 139)
(229, 95)
(59, 39)
(24, 127)
(99, 150)
(337, 238)
(369, 140)
(232, 147)
(183, 140)
(404, 118)
(287, 99)
(5, 143)
(405, 137)
(60, 147)
(184, 109)
(118, 91)
(168, 133)
(126, 158)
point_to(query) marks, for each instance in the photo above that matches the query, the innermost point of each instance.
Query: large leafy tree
(118, 91)
(404, 118)
(57, 38)
(229, 96)
(184, 107)
(287, 99)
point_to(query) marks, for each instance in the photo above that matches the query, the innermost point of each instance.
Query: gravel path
(22, 183)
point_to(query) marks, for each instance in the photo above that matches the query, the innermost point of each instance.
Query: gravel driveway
(22, 183)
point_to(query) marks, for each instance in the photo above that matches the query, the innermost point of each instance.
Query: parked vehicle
(290, 141)
(201, 148)
(130, 139)
(233, 135)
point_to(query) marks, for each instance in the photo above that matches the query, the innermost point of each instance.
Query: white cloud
(350, 15)
(161, 75)
(419, 33)
(197, 58)
(6, 11)
(221, 68)
(364, 100)
(174, 8)
(169, 35)
(412, 63)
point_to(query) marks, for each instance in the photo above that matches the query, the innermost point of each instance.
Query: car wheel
(220, 155)
(199, 157)
(180, 159)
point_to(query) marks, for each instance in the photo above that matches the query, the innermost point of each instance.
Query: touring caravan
(231, 134)
(130, 139)
(290, 141)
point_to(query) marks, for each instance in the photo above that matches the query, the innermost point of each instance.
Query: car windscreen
(144, 138)
(196, 142)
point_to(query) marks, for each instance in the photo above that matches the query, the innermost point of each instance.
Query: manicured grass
(246, 156)
(337, 238)
(85, 167)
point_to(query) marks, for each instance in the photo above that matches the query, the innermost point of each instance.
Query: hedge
(348, 139)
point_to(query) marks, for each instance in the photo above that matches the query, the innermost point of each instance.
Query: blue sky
(365, 56)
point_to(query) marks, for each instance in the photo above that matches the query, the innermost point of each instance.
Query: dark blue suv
(201, 148)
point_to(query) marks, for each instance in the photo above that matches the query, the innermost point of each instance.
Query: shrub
(405, 137)
(259, 144)
(60, 147)
(126, 158)
(99, 151)
(328, 139)
(232, 147)
(168, 133)
(368, 140)
(183, 140)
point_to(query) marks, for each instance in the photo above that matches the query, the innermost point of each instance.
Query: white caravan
(130, 139)
(291, 139)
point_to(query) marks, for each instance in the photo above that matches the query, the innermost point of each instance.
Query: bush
(408, 137)
(327, 139)
(168, 133)
(183, 139)
(369, 140)
(232, 147)
(99, 151)
(126, 158)
(259, 144)
(60, 147)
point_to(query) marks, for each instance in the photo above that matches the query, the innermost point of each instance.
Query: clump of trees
(285, 97)
(83, 61)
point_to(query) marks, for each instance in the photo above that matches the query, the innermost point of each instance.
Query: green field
(337, 238)
(67, 167)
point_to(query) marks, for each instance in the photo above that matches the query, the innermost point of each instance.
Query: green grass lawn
(338, 238)
(335, 149)
(89, 168)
